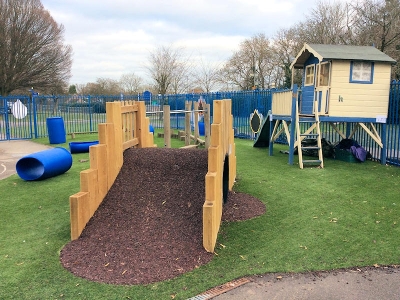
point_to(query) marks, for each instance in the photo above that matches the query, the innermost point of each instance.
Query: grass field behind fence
(345, 215)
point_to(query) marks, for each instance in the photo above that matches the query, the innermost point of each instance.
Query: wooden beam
(376, 137)
(337, 130)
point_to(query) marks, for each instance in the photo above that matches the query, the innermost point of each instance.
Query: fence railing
(82, 113)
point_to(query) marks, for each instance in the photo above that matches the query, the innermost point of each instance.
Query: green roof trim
(340, 52)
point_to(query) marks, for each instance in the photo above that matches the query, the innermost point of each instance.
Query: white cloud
(111, 38)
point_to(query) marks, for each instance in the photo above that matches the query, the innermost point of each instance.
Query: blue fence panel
(15, 122)
(393, 123)
(82, 113)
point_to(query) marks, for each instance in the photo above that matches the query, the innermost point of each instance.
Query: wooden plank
(207, 126)
(190, 146)
(337, 130)
(98, 157)
(79, 214)
(129, 108)
(285, 126)
(200, 141)
(188, 130)
(89, 184)
(213, 157)
(114, 117)
(376, 138)
(131, 143)
(209, 236)
(196, 120)
(167, 126)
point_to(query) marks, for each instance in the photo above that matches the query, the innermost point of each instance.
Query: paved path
(381, 283)
(12, 151)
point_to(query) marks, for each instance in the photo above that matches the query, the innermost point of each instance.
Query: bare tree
(252, 66)
(32, 53)
(181, 81)
(206, 76)
(81, 88)
(166, 64)
(102, 86)
(379, 24)
(131, 83)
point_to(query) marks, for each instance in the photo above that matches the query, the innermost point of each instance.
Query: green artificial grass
(345, 215)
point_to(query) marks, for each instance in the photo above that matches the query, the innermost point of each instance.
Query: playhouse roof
(340, 52)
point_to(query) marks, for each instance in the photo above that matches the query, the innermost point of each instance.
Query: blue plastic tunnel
(81, 147)
(44, 164)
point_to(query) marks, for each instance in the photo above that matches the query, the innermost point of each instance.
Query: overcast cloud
(111, 38)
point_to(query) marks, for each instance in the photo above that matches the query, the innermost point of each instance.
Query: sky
(110, 38)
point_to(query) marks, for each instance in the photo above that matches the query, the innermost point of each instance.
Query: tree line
(260, 62)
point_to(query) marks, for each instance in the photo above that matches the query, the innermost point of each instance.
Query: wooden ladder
(304, 132)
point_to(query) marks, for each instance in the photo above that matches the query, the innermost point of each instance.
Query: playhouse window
(324, 70)
(361, 72)
(309, 75)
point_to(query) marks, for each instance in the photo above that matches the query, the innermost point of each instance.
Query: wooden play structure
(340, 83)
(186, 134)
(127, 126)
(221, 171)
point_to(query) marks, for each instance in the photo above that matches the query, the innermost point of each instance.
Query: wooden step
(310, 148)
(316, 162)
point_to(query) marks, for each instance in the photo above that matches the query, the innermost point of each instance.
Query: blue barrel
(56, 130)
(201, 129)
(44, 164)
(81, 147)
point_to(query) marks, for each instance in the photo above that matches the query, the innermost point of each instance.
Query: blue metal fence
(82, 113)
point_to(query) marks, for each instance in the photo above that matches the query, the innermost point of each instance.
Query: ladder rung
(310, 134)
(312, 161)
(311, 120)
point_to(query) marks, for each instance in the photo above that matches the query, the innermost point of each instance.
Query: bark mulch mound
(149, 226)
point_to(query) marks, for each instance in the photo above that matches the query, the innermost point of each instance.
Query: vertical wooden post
(98, 157)
(79, 213)
(106, 132)
(114, 117)
(196, 120)
(207, 126)
(167, 126)
(188, 130)
(293, 125)
(141, 125)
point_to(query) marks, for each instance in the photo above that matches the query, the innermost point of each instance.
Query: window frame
(322, 66)
(371, 71)
(310, 76)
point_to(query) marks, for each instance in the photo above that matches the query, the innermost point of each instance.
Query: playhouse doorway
(323, 87)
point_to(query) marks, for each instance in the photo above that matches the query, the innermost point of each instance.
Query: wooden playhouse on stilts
(340, 84)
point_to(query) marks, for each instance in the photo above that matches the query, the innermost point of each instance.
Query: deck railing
(282, 103)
